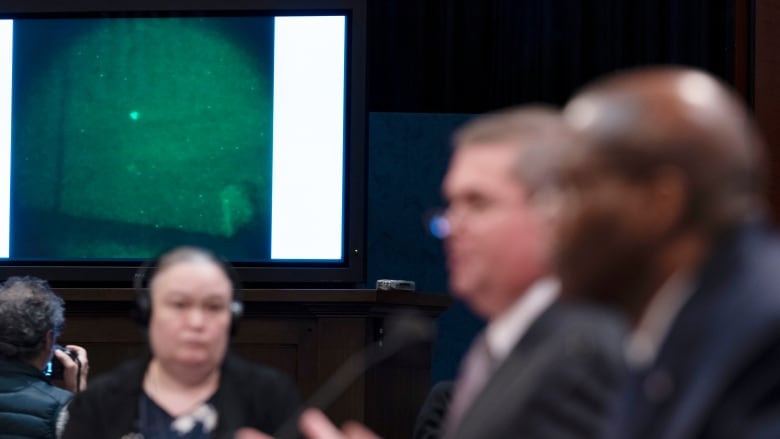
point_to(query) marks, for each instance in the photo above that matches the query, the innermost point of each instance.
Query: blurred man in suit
(541, 368)
(663, 220)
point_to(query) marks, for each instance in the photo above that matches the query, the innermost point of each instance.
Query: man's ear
(667, 197)
(47, 352)
(548, 203)
(49, 341)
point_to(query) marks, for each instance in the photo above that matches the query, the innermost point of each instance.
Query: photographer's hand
(315, 425)
(75, 372)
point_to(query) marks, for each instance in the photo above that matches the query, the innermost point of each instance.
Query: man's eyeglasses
(436, 222)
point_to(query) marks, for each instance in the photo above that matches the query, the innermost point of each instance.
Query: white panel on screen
(308, 140)
(6, 67)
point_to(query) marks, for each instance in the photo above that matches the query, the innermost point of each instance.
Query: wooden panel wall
(307, 333)
(766, 85)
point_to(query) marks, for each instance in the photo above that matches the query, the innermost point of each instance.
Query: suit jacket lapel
(696, 358)
(509, 386)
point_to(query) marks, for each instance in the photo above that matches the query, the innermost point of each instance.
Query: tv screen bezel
(295, 274)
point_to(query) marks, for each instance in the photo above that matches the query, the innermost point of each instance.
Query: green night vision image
(133, 135)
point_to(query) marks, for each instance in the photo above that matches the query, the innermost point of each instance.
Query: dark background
(469, 56)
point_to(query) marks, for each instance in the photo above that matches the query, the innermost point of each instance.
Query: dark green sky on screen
(133, 135)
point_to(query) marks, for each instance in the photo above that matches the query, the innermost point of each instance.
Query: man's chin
(606, 289)
(461, 289)
(480, 309)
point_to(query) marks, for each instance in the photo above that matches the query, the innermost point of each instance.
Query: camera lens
(54, 368)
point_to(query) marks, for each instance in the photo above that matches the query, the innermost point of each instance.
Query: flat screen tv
(128, 127)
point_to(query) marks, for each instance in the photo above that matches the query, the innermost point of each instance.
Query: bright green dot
(134, 115)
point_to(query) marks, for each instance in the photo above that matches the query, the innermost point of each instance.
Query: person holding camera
(31, 319)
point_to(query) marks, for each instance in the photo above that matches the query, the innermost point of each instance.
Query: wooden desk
(307, 333)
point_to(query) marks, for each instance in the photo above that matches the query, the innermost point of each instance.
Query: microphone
(403, 329)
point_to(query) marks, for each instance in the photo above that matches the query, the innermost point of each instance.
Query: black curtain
(470, 56)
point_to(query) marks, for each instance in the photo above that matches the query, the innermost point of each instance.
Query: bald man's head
(669, 159)
(639, 122)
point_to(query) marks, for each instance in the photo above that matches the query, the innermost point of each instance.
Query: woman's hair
(28, 310)
(185, 254)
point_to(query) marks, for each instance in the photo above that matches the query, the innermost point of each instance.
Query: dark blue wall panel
(407, 158)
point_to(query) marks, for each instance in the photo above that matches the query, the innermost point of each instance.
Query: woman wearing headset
(189, 387)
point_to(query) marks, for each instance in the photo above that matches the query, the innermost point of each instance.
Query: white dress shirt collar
(646, 339)
(504, 331)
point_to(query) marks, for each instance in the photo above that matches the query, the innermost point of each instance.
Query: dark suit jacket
(717, 374)
(558, 381)
(430, 420)
(249, 395)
